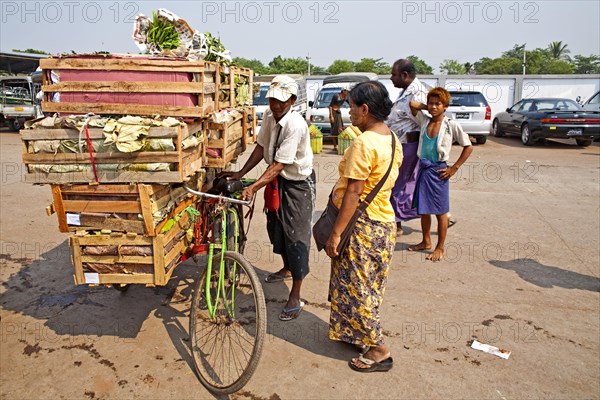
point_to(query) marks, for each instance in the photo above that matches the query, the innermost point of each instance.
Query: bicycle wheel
(227, 347)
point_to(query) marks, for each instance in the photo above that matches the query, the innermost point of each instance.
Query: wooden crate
(117, 207)
(183, 162)
(118, 266)
(252, 127)
(228, 89)
(131, 85)
(227, 139)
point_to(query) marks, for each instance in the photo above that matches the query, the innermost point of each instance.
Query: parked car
(318, 111)
(539, 118)
(472, 111)
(593, 103)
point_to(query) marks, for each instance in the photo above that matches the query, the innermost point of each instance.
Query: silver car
(472, 111)
(593, 103)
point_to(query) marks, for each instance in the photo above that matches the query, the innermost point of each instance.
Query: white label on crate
(91, 277)
(73, 219)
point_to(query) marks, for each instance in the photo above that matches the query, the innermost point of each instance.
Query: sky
(322, 30)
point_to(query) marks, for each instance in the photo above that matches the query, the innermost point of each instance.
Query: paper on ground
(490, 349)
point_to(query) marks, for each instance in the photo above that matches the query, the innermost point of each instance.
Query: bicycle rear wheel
(227, 348)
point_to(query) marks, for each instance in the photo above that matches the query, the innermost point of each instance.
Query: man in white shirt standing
(405, 126)
(284, 144)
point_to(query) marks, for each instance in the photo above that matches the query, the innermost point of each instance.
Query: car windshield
(467, 99)
(260, 98)
(324, 98)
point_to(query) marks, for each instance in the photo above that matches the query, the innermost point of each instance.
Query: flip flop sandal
(286, 313)
(275, 277)
(374, 366)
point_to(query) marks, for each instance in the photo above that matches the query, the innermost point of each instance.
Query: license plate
(575, 132)
(462, 115)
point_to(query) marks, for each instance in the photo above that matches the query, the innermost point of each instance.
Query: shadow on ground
(547, 276)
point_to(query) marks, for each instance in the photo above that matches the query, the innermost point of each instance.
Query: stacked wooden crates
(121, 233)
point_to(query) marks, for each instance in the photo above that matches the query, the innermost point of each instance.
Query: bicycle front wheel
(227, 346)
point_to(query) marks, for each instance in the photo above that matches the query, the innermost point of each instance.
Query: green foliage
(376, 66)
(281, 65)
(558, 50)
(452, 67)
(256, 65)
(421, 66)
(339, 66)
(587, 65)
(30, 51)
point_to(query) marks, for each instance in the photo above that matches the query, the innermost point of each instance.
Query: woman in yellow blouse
(359, 274)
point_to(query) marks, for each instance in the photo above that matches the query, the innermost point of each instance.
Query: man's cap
(282, 88)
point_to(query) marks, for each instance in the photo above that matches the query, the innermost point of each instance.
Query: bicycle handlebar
(215, 196)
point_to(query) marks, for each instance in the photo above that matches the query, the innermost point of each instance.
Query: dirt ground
(521, 273)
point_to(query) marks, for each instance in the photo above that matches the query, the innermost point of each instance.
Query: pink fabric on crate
(170, 99)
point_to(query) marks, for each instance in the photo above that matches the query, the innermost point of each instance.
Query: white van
(261, 86)
(318, 111)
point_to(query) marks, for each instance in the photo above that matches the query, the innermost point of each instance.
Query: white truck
(17, 101)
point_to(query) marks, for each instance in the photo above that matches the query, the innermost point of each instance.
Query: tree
(557, 67)
(281, 65)
(30, 51)
(339, 66)
(587, 65)
(256, 65)
(468, 68)
(452, 67)
(376, 66)
(421, 66)
(498, 66)
(558, 51)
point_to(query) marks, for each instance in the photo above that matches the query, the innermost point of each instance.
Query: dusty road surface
(521, 273)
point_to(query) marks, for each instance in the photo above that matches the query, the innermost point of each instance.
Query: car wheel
(526, 137)
(583, 142)
(16, 125)
(480, 139)
(496, 129)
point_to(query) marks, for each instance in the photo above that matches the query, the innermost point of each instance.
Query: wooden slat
(131, 87)
(103, 158)
(118, 240)
(76, 257)
(146, 209)
(127, 64)
(92, 222)
(116, 259)
(60, 209)
(101, 190)
(79, 206)
(95, 133)
(122, 109)
(159, 260)
(105, 177)
(127, 278)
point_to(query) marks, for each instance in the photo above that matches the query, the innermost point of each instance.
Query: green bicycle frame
(212, 307)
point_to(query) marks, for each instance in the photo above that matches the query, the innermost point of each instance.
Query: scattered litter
(490, 349)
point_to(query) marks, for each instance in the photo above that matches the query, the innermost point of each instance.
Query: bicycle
(228, 315)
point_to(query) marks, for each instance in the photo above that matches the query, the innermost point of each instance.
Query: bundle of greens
(163, 33)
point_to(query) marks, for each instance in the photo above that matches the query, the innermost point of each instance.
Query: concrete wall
(501, 91)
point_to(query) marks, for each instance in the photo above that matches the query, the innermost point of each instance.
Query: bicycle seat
(226, 187)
